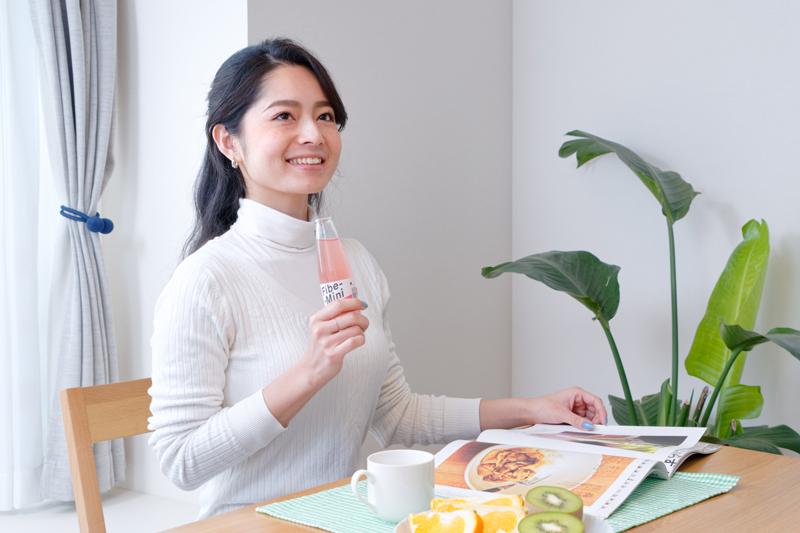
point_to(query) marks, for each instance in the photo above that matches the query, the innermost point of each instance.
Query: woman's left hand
(573, 406)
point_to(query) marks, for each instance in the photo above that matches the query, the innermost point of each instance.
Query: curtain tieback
(93, 223)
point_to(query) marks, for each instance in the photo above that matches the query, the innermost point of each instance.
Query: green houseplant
(723, 337)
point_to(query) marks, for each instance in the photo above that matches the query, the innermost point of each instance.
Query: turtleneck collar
(279, 229)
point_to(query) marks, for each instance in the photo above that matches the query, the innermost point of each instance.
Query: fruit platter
(544, 508)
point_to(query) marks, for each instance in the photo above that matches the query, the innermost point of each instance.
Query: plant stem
(664, 404)
(683, 415)
(687, 417)
(674, 293)
(642, 415)
(720, 381)
(620, 370)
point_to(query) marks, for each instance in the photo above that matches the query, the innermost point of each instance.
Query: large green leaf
(650, 404)
(738, 338)
(737, 402)
(786, 338)
(743, 401)
(766, 439)
(580, 274)
(646, 407)
(735, 300)
(619, 410)
(673, 193)
(665, 401)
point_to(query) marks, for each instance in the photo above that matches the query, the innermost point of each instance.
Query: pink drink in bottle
(335, 276)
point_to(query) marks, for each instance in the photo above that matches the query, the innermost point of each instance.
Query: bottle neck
(325, 229)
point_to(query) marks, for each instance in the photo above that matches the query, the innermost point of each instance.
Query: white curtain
(56, 102)
(23, 368)
(77, 43)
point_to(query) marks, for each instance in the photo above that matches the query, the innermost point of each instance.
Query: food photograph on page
(510, 469)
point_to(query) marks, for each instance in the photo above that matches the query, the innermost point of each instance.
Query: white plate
(591, 523)
(403, 527)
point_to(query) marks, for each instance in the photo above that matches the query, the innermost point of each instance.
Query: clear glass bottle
(335, 275)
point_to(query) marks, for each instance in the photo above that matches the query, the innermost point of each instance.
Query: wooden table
(767, 498)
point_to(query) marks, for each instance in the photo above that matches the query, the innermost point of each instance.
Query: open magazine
(601, 466)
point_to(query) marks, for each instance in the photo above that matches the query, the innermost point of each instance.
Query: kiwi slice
(546, 498)
(550, 522)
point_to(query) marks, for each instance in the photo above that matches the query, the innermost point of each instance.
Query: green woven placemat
(654, 498)
(335, 510)
(338, 511)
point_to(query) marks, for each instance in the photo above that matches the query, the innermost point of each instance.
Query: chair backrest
(95, 414)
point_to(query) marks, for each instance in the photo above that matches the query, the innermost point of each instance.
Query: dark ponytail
(235, 88)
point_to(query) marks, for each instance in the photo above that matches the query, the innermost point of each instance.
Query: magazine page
(603, 481)
(676, 458)
(645, 442)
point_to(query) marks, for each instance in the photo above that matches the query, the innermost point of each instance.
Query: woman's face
(288, 142)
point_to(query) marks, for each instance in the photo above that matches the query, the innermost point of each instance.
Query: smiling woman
(257, 392)
(288, 145)
(259, 98)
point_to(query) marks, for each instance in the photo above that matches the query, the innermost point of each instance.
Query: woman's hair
(236, 86)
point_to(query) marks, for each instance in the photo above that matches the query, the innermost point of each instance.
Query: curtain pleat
(77, 39)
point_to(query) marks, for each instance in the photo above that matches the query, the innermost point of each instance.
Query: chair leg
(88, 503)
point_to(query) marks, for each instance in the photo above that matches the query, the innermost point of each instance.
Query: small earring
(234, 164)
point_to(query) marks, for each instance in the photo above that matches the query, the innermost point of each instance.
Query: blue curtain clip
(94, 223)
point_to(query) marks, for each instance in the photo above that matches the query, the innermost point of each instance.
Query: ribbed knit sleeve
(405, 417)
(194, 435)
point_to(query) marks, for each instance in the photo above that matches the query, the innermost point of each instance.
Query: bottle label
(336, 290)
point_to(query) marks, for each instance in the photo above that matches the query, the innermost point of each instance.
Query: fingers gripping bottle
(335, 276)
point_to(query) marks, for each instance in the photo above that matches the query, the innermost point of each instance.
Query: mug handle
(354, 486)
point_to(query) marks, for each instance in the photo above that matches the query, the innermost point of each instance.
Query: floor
(123, 513)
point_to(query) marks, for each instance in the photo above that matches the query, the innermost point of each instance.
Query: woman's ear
(226, 143)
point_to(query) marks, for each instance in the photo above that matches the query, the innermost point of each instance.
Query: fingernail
(587, 425)
(365, 304)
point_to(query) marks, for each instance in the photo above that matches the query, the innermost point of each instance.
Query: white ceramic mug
(399, 482)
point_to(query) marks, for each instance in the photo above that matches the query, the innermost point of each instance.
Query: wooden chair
(95, 414)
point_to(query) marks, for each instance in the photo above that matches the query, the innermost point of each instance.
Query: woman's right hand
(336, 330)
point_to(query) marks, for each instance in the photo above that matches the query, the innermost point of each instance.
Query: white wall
(706, 91)
(168, 54)
(425, 173)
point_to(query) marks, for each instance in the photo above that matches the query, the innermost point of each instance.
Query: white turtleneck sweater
(233, 317)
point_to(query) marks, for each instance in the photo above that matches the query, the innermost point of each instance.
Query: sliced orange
(452, 504)
(462, 521)
(499, 519)
(449, 504)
